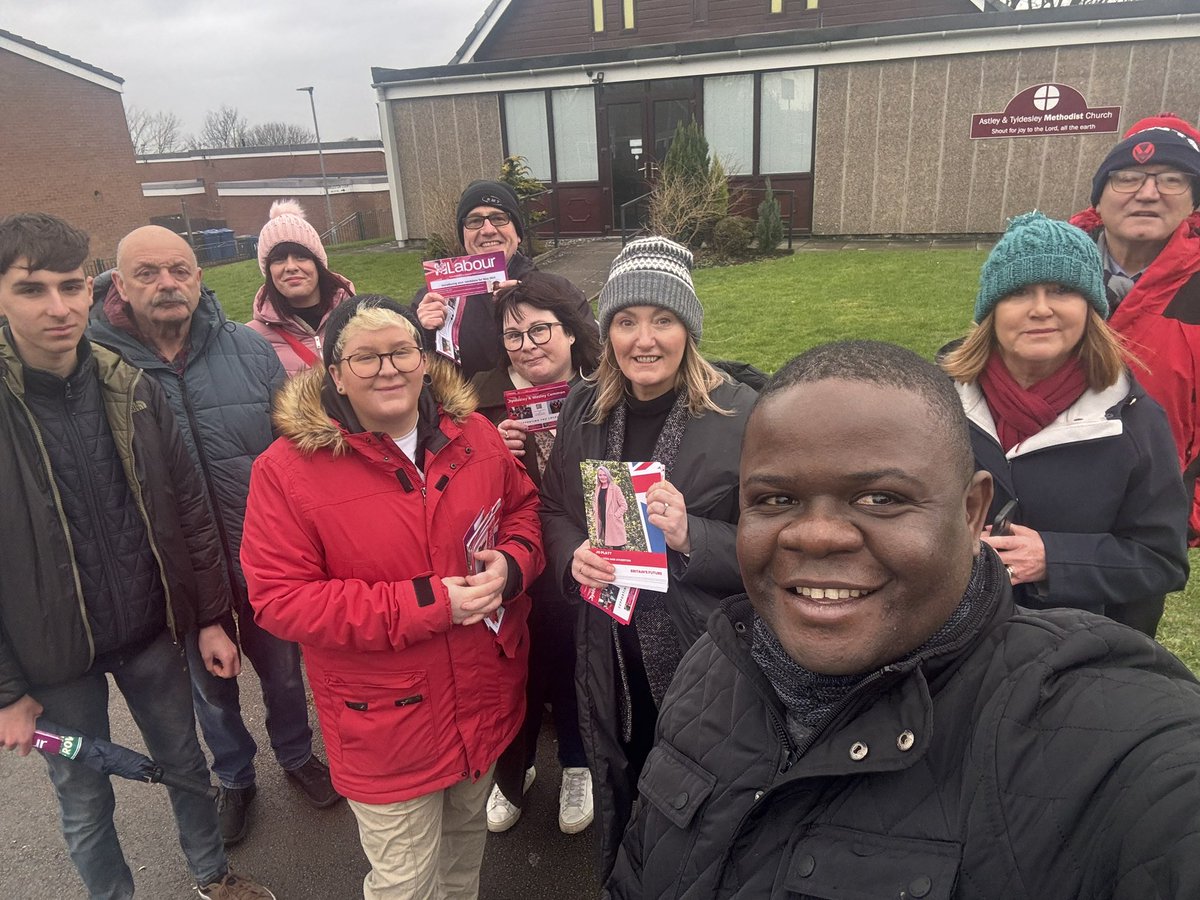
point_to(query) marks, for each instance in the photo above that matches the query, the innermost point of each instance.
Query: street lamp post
(321, 157)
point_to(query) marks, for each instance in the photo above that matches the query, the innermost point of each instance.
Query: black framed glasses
(498, 220)
(368, 365)
(538, 334)
(1130, 181)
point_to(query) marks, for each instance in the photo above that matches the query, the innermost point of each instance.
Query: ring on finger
(1009, 570)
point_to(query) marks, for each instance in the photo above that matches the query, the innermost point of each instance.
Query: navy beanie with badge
(490, 193)
(1158, 140)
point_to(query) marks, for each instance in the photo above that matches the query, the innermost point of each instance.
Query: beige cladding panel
(442, 144)
(909, 163)
(892, 143)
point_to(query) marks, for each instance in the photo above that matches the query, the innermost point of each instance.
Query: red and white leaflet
(537, 407)
(641, 559)
(617, 602)
(445, 341)
(462, 276)
(482, 536)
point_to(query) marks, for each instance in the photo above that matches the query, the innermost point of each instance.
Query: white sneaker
(502, 815)
(575, 801)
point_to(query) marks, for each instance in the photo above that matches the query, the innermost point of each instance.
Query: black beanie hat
(1155, 140)
(490, 193)
(344, 312)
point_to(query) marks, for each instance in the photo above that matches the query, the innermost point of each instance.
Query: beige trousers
(427, 848)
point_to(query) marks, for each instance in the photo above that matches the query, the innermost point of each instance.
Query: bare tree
(224, 127)
(277, 134)
(154, 132)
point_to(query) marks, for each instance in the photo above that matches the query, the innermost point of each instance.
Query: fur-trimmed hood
(314, 416)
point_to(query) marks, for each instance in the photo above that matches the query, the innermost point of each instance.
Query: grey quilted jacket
(1051, 755)
(221, 400)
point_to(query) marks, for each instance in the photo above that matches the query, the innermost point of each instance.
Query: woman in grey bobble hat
(653, 397)
(1068, 433)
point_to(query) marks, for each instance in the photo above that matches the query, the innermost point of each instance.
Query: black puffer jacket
(45, 636)
(221, 400)
(1048, 755)
(117, 573)
(478, 335)
(706, 473)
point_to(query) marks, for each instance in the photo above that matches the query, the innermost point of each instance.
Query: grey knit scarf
(810, 697)
(656, 633)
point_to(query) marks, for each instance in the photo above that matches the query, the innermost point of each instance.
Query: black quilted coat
(1052, 755)
(45, 638)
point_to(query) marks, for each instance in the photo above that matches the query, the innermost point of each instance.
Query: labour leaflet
(462, 276)
(537, 407)
(619, 528)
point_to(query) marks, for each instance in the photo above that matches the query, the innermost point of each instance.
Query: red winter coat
(344, 550)
(1160, 321)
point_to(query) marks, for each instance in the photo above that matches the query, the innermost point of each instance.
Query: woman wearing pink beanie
(299, 291)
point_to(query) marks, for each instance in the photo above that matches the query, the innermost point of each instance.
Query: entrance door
(642, 118)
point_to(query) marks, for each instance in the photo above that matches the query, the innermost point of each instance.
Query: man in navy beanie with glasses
(1144, 219)
(489, 220)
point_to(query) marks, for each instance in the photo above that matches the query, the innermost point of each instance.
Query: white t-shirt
(408, 443)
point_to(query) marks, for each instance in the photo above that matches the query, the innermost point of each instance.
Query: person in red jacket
(1144, 218)
(358, 546)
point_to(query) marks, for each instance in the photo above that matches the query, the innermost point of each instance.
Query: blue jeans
(219, 705)
(154, 682)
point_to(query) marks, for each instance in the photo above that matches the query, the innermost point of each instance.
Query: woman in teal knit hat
(1056, 416)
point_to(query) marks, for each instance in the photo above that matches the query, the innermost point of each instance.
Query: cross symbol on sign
(1046, 97)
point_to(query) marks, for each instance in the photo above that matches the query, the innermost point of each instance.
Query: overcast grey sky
(189, 56)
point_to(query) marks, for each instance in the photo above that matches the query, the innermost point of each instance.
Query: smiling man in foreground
(876, 718)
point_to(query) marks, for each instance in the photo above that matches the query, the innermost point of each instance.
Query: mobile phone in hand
(1002, 524)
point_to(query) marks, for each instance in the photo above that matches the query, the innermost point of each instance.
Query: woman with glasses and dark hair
(299, 292)
(653, 397)
(368, 543)
(489, 220)
(1100, 514)
(546, 339)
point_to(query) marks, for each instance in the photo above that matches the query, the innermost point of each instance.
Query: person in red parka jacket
(1144, 219)
(358, 546)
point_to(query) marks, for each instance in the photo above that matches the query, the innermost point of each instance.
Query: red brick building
(65, 147)
(237, 185)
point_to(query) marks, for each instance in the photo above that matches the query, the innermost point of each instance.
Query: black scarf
(655, 631)
(810, 698)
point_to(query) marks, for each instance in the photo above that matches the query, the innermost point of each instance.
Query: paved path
(300, 852)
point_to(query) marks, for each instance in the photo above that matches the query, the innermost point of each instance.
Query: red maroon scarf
(1019, 412)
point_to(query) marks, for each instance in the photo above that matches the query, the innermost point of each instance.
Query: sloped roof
(69, 64)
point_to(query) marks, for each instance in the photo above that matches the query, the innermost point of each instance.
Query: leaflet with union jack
(619, 527)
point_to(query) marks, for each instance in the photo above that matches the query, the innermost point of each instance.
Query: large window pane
(528, 136)
(575, 134)
(787, 121)
(729, 121)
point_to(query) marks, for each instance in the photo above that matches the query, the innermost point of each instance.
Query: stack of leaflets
(537, 407)
(456, 278)
(482, 536)
(619, 531)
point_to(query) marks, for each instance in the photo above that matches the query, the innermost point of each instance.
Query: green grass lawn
(396, 274)
(766, 312)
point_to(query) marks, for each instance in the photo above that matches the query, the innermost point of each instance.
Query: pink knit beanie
(287, 224)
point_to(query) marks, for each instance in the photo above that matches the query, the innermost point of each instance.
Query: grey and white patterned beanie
(652, 271)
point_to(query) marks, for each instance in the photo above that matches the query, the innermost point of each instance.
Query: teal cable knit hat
(1038, 250)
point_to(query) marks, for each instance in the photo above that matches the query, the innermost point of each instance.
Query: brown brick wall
(246, 215)
(66, 151)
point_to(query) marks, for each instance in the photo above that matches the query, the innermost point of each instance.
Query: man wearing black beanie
(489, 219)
(1143, 217)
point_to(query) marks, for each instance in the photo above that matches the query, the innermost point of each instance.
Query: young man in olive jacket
(110, 558)
(876, 718)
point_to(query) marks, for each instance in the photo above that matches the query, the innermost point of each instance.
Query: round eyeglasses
(538, 334)
(1130, 181)
(368, 365)
(498, 220)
